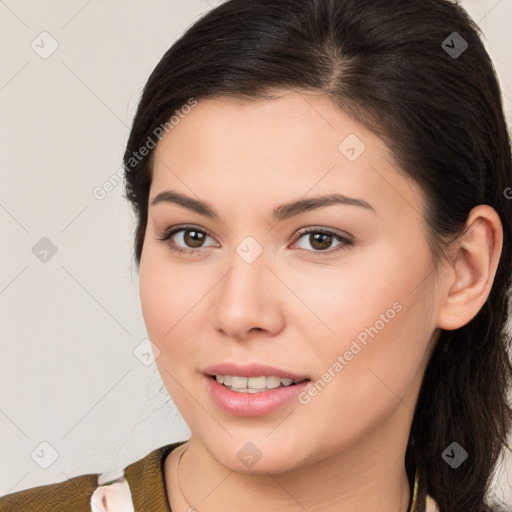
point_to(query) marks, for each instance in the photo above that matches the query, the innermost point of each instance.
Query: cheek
(380, 319)
(166, 307)
(167, 294)
(343, 300)
(154, 299)
(174, 300)
(361, 382)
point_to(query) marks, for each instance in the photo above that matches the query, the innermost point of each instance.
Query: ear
(468, 278)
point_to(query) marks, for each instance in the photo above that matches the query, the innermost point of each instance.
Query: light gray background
(69, 326)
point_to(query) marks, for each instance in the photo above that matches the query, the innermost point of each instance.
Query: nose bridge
(246, 297)
(249, 273)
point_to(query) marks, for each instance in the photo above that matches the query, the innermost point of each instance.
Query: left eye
(320, 239)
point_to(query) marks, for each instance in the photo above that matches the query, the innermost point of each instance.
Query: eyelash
(169, 233)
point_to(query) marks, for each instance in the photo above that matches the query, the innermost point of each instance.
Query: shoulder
(75, 493)
(139, 486)
(431, 505)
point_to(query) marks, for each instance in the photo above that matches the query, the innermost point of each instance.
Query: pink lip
(251, 404)
(251, 370)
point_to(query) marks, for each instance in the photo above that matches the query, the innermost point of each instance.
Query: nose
(248, 299)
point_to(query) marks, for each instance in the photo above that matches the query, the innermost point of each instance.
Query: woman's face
(355, 315)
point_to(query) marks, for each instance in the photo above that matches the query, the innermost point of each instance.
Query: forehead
(233, 126)
(291, 146)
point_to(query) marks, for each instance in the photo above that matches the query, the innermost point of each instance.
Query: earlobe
(472, 268)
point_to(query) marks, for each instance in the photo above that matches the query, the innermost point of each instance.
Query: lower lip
(252, 404)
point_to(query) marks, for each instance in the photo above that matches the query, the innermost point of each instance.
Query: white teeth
(272, 382)
(252, 384)
(255, 383)
(239, 382)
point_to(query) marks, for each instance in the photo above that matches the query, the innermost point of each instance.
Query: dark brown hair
(403, 70)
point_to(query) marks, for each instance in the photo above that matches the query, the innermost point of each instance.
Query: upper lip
(252, 370)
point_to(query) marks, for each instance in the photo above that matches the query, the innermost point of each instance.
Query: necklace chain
(192, 509)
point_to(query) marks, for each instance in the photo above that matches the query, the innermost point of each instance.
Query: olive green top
(139, 487)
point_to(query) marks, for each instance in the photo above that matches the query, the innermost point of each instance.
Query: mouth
(254, 395)
(260, 384)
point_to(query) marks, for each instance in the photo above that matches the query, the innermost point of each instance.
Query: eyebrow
(280, 213)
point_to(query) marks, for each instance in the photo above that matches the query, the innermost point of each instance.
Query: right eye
(192, 236)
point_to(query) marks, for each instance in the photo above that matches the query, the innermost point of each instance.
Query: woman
(323, 197)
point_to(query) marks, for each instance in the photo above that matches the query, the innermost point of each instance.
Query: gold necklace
(192, 509)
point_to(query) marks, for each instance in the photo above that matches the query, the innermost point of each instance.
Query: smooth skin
(300, 304)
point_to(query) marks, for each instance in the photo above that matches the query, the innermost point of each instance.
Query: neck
(364, 477)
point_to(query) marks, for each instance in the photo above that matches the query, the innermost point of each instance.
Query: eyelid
(171, 231)
(346, 239)
(322, 229)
